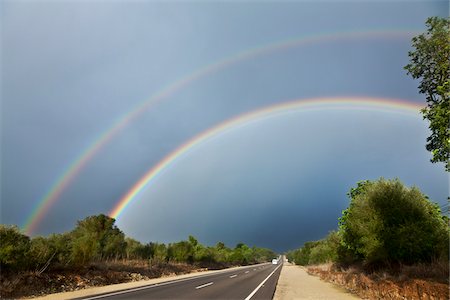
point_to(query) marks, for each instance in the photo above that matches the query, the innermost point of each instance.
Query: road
(251, 282)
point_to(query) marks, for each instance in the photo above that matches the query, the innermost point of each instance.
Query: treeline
(385, 224)
(97, 238)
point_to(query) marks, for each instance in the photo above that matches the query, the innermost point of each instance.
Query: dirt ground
(295, 283)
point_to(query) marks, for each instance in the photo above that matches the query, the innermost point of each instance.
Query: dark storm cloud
(71, 69)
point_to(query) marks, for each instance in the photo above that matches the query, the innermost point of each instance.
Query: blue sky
(71, 69)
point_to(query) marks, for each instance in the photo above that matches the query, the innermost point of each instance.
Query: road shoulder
(295, 283)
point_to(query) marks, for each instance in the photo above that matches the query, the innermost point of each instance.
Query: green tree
(222, 253)
(302, 255)
(136, 250)
(96, 237)
(159, 252)
(61, 244)
(181, 252)
(261, 255)
(132, 248)
(430, 62)
(325, 250)
(40, 252)
(388, 222)
(14, 247)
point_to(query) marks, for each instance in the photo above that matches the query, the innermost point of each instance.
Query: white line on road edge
(150, 286)
(232, 276)
(261, 284)
(204, 285)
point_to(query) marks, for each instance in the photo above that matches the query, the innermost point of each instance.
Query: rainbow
(305, 105)
(73, 170)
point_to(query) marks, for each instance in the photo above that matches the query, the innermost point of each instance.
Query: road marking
(150, 286)
(204, 285)
(261, 284)
(232, 276)
(254, 269)
(246, 272)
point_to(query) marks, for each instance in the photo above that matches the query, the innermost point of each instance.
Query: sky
(120, 85)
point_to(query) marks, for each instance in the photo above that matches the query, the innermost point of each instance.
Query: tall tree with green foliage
(430, 62)
(388, 222)
(96, 237)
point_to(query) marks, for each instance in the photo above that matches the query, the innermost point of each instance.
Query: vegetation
(385, 224)
(97, 239)
(430, 62)
(316, 252)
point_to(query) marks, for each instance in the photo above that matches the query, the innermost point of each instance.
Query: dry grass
(27, 284)
(436, 271)
(420, 281)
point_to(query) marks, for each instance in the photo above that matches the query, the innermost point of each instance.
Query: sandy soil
(295, 283)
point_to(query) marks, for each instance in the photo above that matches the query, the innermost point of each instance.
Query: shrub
(14, 247)
(387, 222)
(325, 250)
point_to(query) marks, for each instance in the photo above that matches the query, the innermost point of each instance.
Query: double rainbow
(73, 170)
(302, 105)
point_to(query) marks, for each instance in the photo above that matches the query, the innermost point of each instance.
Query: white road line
(261, 284)
(150, 286)
(232, 276)
(254, 269)
(204, 285)
(246, 272)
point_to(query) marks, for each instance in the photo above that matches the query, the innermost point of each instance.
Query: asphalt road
(252, 282)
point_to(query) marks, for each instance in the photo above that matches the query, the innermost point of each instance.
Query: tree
(159, 251)
(430, 62)
(181, 252)
(387, 222)
(14, 247)
(40, 252)
(97, 237)
(325, 250)
(61, 244)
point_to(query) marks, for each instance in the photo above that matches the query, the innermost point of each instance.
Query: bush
(317, 252)
(387, 222)
(14, 247)
(325, 250)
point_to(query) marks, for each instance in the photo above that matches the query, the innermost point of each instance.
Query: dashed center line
(254, 269)
(232, 276)
(246, 272)
(204, 285)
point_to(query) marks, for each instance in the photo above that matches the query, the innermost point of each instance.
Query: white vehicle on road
(274, 261)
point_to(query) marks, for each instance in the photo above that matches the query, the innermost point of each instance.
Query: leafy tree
(14, 247)
(181, 252)
(430, 62)
(302, 255)
(388, 222)
(96, 237)
(325, 250)
(262, 255)
(205, 255)
(133, 248)
(222, 253)
(193, 241)
(40, 251)
(159, 251)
